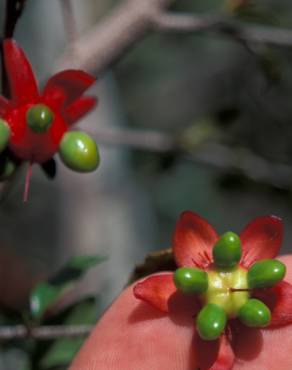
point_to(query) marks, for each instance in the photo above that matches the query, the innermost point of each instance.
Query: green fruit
(265, 273)
(254, 313)
(39, 118)
(7, 167)
(211, 322)
(190, 280)
(227, 250)
(4, 134)
(79, 152)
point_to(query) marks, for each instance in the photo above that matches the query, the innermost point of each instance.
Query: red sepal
(279, 300)
(22, 82)
(79, 108)
(156, 290)
(261, 239)
(226, 357)
(193, 241)
(66, 86)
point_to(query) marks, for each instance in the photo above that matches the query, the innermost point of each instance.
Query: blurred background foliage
(174, 83)
(202, 89)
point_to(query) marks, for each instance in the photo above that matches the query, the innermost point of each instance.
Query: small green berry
(265, 273)
(190, 280)
(227, 250)
(4, 134)
(211, 322)
(39, 118)
(79, 152)
(8, 166)
(254, 313)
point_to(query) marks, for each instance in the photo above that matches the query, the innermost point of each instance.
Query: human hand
(133, 336)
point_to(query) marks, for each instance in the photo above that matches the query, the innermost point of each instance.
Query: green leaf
(63, 350)
(47, 293)
(83, 263)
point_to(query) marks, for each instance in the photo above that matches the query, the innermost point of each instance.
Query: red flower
(62, 95)
(193, 242)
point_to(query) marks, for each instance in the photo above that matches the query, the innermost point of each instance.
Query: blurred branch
(43, 332)
(252, 166)
(132, 20)
(104, 44)
(13, 11)
(220, 156)
(69, 20)
(142, 139)
(223, 26)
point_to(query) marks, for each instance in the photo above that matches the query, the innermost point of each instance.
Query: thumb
(132, 335)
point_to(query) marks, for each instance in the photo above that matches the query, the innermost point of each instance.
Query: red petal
(79, 108)
(66, 86)
(193, 241)
(22, 82)
(225, 358)
(282, 311)
(261, 239)
(156, 290)
(279, 300)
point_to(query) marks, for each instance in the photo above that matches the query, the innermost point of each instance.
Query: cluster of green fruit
(77, 150)
(225, 290)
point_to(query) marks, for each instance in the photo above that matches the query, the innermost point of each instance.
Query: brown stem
(43, 332)
(252, 166)
(132, 20)
(69, 20)
(104, 44)
(256, 33)
(233, 290)
(13, 11)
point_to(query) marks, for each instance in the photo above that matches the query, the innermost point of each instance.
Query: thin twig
(168, 22)
(43, 332)
(143, 139)
(216, 155)
(69, 20)
(250, 165)
(131, 21)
